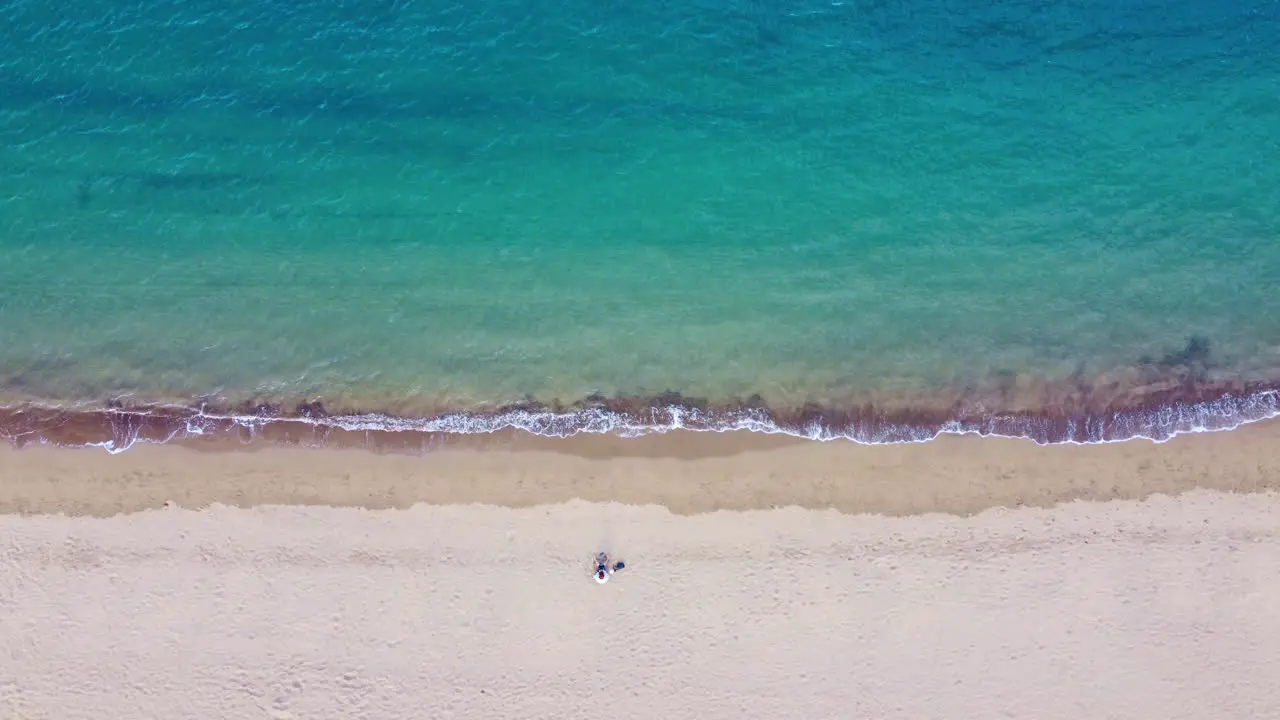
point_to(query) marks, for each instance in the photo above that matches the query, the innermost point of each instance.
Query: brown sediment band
(1070, 410)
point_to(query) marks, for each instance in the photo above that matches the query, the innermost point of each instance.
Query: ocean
(869, 220)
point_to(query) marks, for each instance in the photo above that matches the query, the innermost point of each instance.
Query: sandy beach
(965, 578)
(685, 472)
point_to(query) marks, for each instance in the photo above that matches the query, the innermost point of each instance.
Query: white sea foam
(1158, 425)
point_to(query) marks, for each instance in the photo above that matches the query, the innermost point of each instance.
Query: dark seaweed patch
(84, 193)
(1007, 382)
(1194, 360)
(312, 410)
(198, 191)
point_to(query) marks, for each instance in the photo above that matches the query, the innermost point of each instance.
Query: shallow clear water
(479, 202)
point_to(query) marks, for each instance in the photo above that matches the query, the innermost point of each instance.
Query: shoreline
(1145, 402)
(686, 472)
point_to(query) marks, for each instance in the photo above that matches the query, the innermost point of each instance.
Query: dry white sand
(1164, 608)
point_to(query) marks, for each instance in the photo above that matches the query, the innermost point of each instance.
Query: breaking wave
(1156, 414)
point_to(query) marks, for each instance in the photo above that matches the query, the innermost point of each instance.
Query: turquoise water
(400, 204)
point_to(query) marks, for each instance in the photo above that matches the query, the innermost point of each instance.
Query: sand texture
(1163, 608)
(767, 578)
